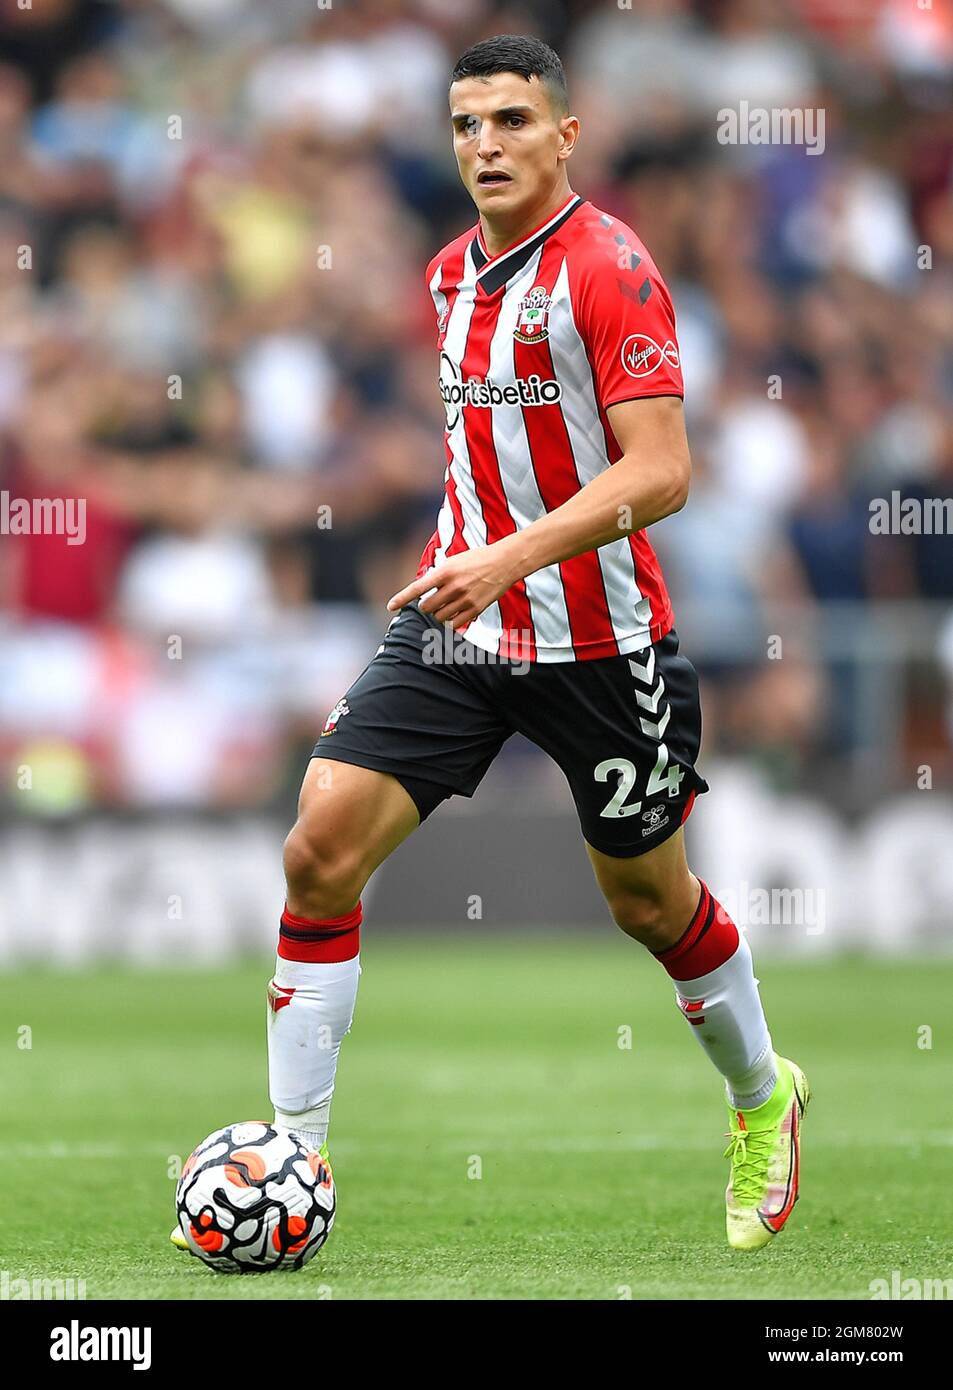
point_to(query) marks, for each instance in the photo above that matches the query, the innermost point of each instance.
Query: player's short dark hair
(517, 53)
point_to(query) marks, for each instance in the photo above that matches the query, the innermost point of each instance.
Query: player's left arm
(627, 322)
(648, 482)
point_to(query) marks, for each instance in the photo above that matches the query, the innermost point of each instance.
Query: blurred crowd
(214, 221)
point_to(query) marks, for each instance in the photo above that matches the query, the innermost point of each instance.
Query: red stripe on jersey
(648, 576)
(554, 464)
(457, 543)
(648, 573)
(515, 615)
(451, 273)
(426, 560)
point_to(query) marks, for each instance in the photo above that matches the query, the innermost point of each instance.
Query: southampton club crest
(339, 711)
(532, 326)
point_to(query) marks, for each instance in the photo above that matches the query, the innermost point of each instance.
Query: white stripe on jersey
(544, 589)
(474, 525)
(445, 528)
(588, 442)
(445, 516)
(436, 293)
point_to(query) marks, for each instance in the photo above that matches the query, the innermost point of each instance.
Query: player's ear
(568, 135)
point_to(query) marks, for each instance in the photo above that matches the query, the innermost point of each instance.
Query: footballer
(560, 375)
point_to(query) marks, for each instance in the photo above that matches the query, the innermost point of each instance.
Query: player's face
(509, 142)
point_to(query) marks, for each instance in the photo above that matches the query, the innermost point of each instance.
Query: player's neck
(500, 235)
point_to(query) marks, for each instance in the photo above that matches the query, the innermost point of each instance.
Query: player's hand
(463, 586)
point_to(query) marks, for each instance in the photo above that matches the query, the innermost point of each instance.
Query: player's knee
(642, 917)
(324, 877)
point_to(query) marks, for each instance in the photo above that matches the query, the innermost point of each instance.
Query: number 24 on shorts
(665, 778)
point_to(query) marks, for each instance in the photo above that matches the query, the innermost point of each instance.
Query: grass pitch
(490, 1136)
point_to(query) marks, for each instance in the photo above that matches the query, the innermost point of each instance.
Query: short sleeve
(628, 324)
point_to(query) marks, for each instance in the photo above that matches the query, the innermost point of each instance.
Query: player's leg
(710, 963)
(626, 732)
(350, 819)
(658, 901)
(413, 729)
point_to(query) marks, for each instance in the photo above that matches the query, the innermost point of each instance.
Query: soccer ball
(252, 1198)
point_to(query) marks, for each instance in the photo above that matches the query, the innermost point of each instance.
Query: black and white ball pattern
(255, 1198)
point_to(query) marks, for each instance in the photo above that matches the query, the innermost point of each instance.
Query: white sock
(304, 1039)
(728, 1020)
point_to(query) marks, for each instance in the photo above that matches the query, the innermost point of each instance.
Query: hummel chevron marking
(644, 673)
(656, 730)
(651, 702)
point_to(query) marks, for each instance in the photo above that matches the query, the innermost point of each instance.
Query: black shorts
(434, 710)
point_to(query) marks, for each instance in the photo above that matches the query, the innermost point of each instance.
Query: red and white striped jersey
(534, 345)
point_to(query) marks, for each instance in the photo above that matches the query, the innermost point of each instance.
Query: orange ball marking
(297, 1226)
(321, 1169)
(208, 1240)
(252, 1160)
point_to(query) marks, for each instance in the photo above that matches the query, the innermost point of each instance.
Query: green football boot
(765, 1153)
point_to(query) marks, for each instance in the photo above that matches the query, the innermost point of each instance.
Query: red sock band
(333, 939)
(710, 939)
